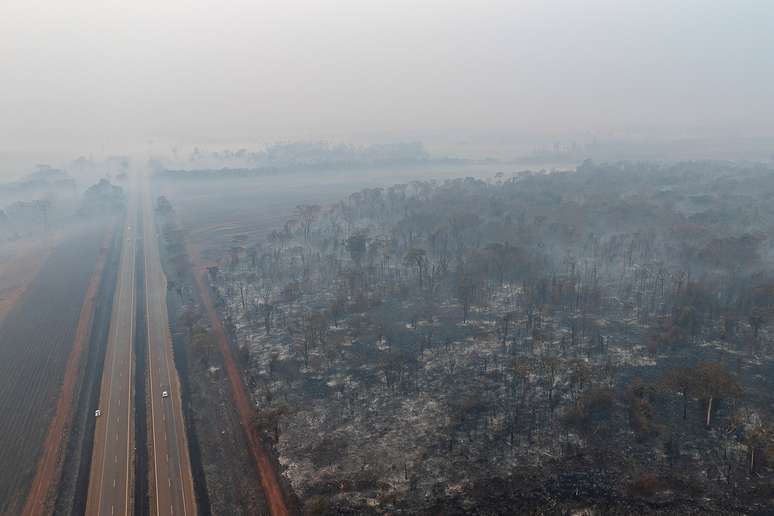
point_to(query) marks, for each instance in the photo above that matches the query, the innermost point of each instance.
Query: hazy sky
(87, 73)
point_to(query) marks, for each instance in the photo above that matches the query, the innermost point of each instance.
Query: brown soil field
(36, 339)
(39, 498)
(19, 263)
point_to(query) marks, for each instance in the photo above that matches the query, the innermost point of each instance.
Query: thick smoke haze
(327, 257)
(93, 75)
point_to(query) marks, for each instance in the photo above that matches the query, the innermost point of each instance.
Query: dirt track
(49, 465)
(268, 475)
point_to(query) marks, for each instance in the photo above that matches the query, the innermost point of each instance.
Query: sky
(85, 75)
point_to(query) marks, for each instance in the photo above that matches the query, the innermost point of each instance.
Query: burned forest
(530, 342)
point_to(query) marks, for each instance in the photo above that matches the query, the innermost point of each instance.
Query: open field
(44, 486)
(35, 342)
(21, 260)
(213, 212)
(19, 263)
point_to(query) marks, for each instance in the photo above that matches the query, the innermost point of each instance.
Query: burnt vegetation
(539, 342)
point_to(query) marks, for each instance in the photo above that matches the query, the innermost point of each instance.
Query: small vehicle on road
(97, 413)
(164, 394)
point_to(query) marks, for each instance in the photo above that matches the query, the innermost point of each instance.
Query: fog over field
(296, 257)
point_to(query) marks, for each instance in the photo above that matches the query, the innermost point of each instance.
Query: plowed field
(36, 338)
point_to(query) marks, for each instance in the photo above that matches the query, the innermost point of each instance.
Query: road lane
(172, 485)
(111, 466)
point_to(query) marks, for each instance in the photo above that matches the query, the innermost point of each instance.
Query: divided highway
(171, 483)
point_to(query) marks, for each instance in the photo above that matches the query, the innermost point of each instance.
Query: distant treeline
(284, 158)
(271, 170)
(43, 178)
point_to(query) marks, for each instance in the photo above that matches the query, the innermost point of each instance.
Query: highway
(171, 489)
(111, 475)
(170, 481)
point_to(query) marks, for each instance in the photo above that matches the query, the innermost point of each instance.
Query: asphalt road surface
(110, 481)
(171, 488)
(171, 482)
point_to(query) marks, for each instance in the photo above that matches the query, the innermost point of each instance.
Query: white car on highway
(164, 394)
